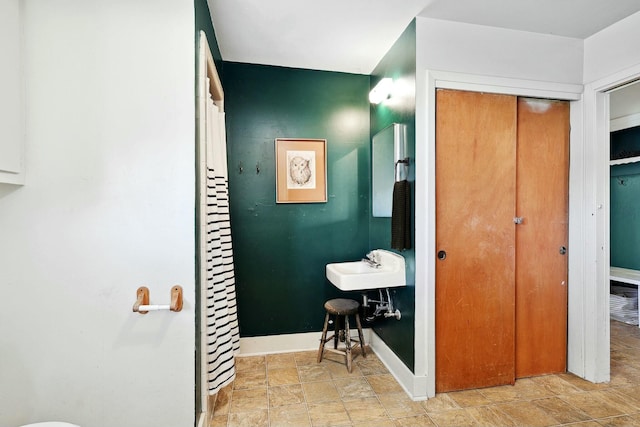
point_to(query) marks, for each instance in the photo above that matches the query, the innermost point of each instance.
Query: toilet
(50, 424)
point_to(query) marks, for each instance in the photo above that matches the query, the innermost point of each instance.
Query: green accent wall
(400, 64)
(625, 201)
(281, 250)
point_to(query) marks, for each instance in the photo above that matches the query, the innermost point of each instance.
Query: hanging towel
(401, 216)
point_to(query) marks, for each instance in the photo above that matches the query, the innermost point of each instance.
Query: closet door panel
(541, 266)
(475, 206)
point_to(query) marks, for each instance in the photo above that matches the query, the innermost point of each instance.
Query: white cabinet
(11, 94)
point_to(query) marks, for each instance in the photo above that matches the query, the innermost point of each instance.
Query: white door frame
(597, 196)
(425, 206)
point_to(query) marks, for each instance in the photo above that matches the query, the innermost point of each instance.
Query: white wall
(625, 102)
(480, 57)
(108, 206)
(491, 51)
(612, 50)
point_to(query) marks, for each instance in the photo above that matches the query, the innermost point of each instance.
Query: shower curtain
(223, 337)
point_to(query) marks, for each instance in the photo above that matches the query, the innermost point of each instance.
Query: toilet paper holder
(142, 305)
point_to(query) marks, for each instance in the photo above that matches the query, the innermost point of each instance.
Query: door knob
(563, 250)
(442, 255)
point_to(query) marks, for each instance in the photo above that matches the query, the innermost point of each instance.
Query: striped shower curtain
(223, 338)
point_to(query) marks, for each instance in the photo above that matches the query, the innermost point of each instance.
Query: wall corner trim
(415, 386)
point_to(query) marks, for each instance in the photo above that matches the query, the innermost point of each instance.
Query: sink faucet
(371, 260)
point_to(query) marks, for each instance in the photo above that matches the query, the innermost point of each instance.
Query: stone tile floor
(291, 389)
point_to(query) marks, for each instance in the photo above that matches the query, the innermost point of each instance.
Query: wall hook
(258, 168)
(240, 168)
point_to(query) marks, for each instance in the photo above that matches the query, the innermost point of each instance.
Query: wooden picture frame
(301, 170)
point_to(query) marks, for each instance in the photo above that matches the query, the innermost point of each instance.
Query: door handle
(563, 250)
(442, 255)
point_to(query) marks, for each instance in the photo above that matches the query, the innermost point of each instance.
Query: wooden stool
(342, 308)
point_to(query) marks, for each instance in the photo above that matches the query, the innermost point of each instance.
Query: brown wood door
(501, 288)
(475, 206)
(541, 238)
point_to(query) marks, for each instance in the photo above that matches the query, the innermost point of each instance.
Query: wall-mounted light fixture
(381, 91)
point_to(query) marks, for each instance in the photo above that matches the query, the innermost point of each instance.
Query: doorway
(501, 238)
(624, 236)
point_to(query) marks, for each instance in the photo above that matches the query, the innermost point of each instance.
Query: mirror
(387, 147)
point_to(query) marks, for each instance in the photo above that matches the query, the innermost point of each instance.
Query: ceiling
(353, 35)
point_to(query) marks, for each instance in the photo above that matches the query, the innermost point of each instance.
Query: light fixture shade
(381, 91)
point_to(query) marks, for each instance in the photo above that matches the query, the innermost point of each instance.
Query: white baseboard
(287, 343)
(414, 386)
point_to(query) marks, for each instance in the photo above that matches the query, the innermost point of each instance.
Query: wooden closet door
(541, 267)
(475, 206)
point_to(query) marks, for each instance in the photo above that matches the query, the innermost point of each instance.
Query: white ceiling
(570, 18)
(334, 35)
(353, 35)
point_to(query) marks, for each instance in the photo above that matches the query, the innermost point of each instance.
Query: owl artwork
(299, 170)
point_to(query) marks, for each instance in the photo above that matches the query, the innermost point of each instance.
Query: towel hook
(405, 162)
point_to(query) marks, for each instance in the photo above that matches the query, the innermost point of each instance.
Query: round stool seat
(342, 307)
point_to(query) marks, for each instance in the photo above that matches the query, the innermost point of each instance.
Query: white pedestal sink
(362, 275)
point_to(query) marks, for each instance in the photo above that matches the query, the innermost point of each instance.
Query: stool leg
(347, 337)
(324, 337)
(360, 335)
(337, 332)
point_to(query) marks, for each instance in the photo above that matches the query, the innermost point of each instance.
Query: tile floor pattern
(291, 389)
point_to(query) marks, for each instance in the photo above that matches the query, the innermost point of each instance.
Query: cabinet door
(475, 237)
(11, 104)
(541, 238)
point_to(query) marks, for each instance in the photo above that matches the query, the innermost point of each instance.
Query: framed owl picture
(301, 170)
